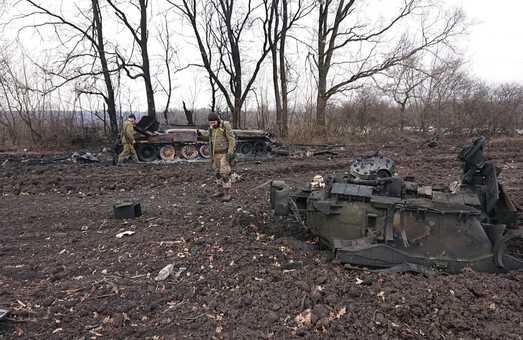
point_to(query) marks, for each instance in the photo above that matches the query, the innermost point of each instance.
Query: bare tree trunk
(280, 69)
(141, 39)
(7, 111)
(323, 69)
(169, 88)
(353, 44)
(220, 33)
(284, 119)
(110, 97)
(97, 44)
(144, 33)
(276, 86)
(321, 107)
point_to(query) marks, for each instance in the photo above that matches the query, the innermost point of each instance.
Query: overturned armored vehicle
(181, 141)
(380, 221)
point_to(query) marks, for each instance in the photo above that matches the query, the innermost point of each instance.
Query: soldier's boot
(135, 159)
(227, 195)
(120, 160)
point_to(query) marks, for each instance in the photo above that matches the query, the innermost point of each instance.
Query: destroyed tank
(154, 142)
(372, 167)
(393, 222)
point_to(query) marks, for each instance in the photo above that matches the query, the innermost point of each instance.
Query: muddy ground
(248, 275)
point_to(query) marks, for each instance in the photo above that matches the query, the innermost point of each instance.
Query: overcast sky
(494, 48)
(495, 45)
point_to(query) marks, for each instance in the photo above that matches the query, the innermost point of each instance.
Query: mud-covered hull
(385, 222)
(181, 142)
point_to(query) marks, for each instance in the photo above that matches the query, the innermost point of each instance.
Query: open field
(65, 274)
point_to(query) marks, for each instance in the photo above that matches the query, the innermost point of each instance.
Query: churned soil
(69, 270)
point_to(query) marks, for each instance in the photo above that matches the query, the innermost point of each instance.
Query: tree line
(334, 66)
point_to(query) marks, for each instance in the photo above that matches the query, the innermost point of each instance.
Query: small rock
(272, 317)
(302, 285)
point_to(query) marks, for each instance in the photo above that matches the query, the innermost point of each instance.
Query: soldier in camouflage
(127, 137)
(222, 143)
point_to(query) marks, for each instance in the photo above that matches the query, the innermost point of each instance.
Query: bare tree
(24, 99)
(219, 27)
(350, 49)
(166, 39)
(400, 83)
(434, 91)
(447, 77)
(509, 100)
(3, 5)
(489, 109)
(8, 90)
(285, 19)
(79, 65)
(140, 34)
(262, 106)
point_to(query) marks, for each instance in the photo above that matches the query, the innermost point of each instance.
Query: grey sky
(494, 49)
(494, 46)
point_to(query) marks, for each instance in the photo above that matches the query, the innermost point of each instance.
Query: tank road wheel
(146, 152)
(167, 152)
(246, 148)
(189, 151)
(205, 151)
(260, 148)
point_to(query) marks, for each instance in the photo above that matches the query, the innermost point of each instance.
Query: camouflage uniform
(127, 136)
(222, 142)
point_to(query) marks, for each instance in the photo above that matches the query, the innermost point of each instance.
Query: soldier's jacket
(127, 132)
(221, 139)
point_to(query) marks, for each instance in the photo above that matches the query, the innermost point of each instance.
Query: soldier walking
(128, 141)
(221, 142)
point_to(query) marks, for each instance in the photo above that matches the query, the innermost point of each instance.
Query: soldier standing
(221, 142)
(127, 135)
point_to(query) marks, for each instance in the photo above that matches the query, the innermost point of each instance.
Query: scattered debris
(165, 272)
(104, 156)
(180, 271)
(125, 210)
(307, 150)
(4, 313)
(432, 143)
(202, 197)
(236, 178)
(125, 233)
(87, 157)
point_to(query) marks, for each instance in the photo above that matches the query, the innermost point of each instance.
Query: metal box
(127, 210)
